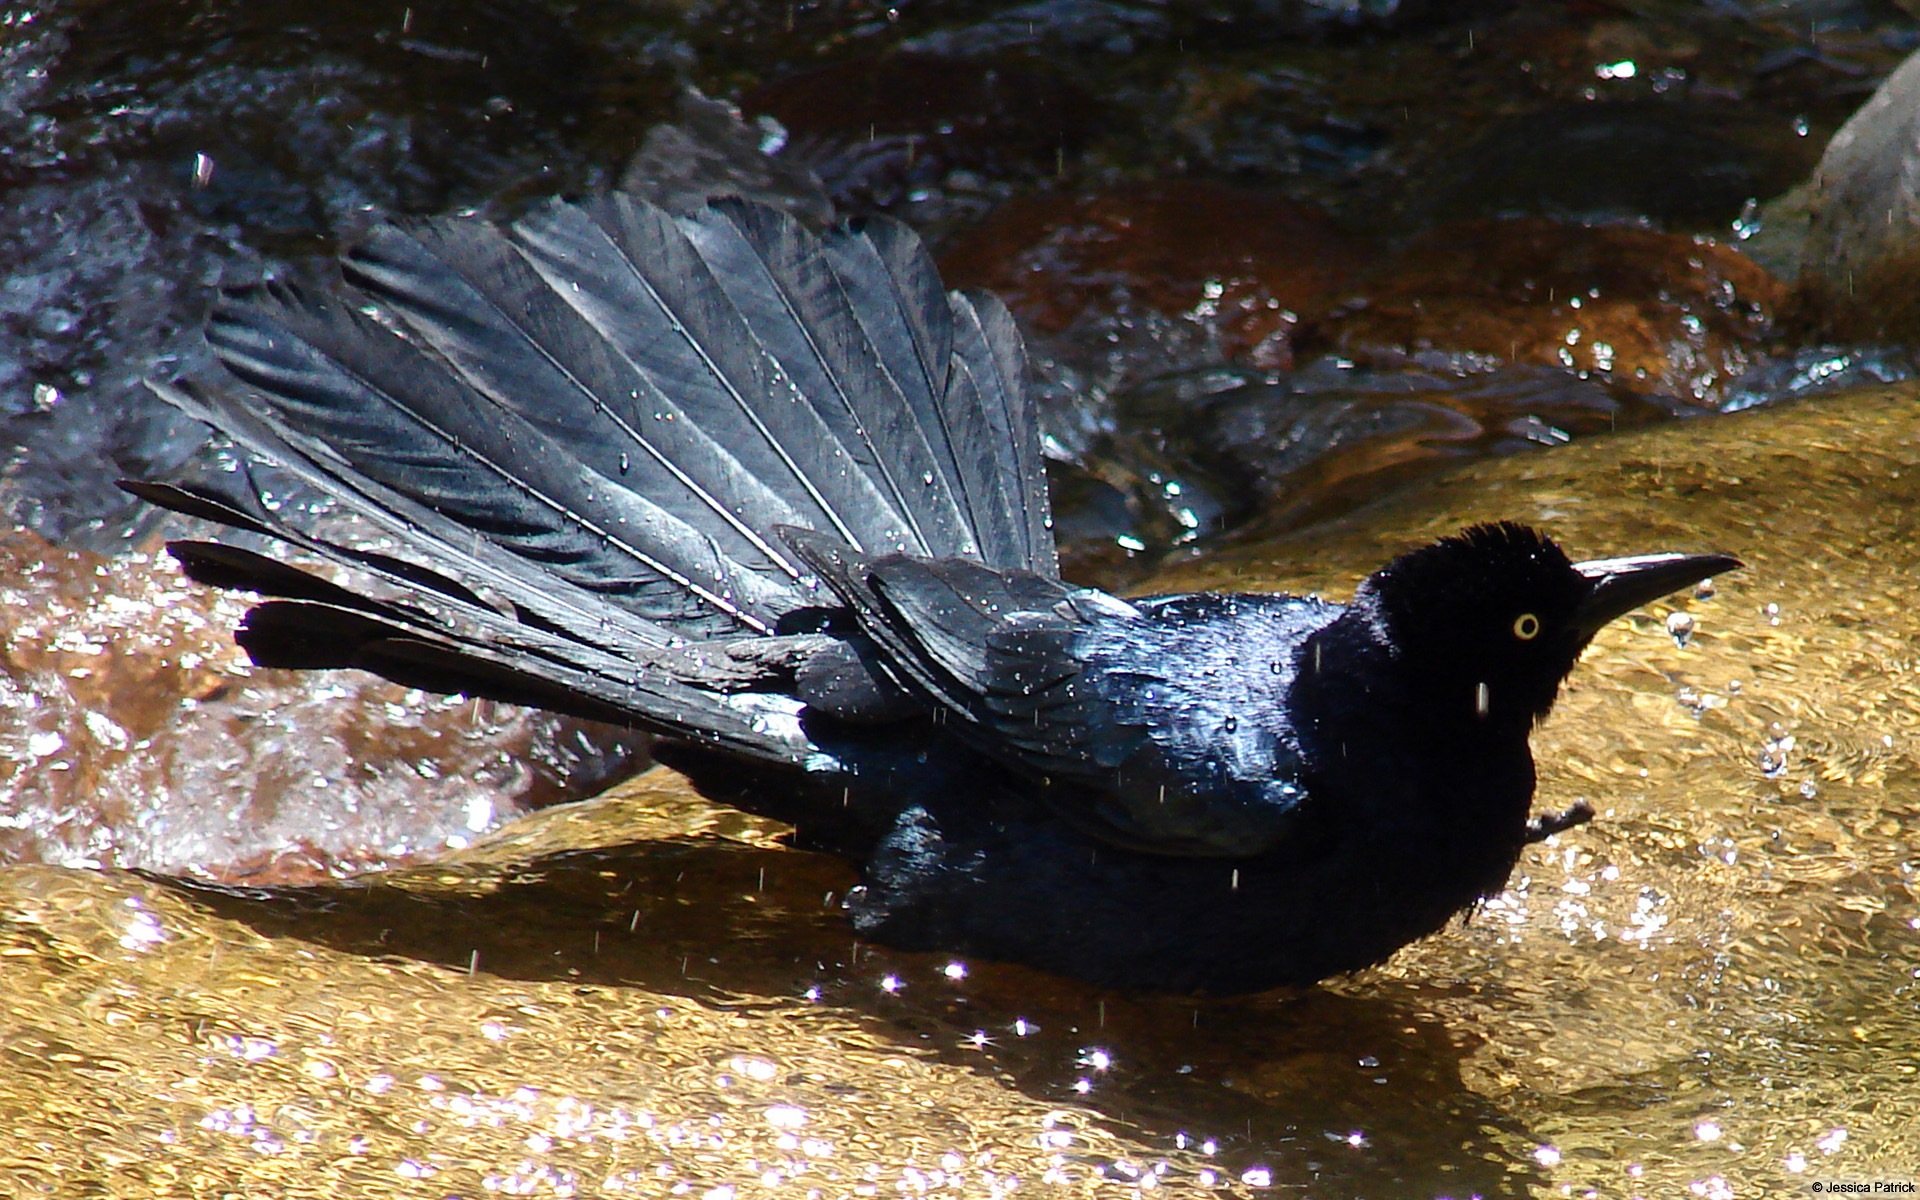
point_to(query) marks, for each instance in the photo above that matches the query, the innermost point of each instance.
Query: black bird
(778, 497)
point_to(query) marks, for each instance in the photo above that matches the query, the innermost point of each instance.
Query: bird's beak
(1620, 585)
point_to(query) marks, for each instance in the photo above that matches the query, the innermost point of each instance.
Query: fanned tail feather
(578, 437)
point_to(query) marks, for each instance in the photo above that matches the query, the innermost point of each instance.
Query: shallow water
(1709, 991)
(133, 732)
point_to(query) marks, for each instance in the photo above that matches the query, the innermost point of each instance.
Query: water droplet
(1680, 628)
(625, 463)
(1773, 755)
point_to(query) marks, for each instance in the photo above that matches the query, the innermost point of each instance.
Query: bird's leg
(1543, 827)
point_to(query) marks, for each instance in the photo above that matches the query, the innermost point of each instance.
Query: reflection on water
(1709, 991)
(681, 1012)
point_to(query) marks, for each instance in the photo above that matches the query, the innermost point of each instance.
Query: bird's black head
(1489, 621)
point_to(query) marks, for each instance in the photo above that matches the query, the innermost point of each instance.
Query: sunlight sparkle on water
(757, 1069)
(143, 931)
(786, 1116)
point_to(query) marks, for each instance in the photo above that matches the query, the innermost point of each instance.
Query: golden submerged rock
(1711, 987)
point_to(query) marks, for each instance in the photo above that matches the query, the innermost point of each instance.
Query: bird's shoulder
(1161, 723)
(1164, 722)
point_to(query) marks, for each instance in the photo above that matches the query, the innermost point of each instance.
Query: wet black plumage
(778, 496)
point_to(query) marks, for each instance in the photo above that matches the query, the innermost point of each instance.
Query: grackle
(778, 497)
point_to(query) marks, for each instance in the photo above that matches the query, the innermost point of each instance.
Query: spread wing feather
(1091, 693)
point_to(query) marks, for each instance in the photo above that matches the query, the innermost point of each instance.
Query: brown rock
(1659, 313)
(1248, 264)
(1326, 444)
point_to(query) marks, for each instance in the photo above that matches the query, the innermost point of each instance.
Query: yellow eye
(1526, 627)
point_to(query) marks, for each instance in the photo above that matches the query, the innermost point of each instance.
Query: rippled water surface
(1709, 991)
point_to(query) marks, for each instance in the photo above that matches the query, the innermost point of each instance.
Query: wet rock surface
(1684, 166)
(1318, 442)
(1663, 314)
(1862, 250)
(645, 991)
(1240, 267)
